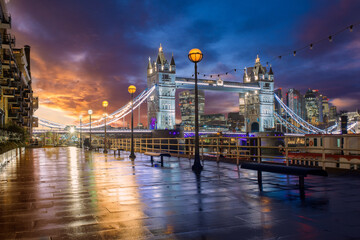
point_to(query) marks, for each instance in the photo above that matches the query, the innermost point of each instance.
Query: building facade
(235, 121)
(325, 109)
(187, 108)
(17, 101)
(161, 103)
(213, 122)
(295, 102)
(333, 115)
(258, 106)
(312, 107)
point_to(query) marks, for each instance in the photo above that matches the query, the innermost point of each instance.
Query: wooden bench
(117, 149)
(157, 154)
(301, 172)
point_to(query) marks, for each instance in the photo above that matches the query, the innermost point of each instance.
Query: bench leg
(259, 175)
(151, 159)
(119, 152)
(162, 160)
(114, 152)
(301, 187)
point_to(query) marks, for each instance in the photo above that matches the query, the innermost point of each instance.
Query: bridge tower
(258, 106)
(161, 103)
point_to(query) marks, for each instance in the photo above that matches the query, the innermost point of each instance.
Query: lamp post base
(132, 156)
(197, 167)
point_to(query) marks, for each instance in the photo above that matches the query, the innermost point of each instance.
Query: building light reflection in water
(117, 192)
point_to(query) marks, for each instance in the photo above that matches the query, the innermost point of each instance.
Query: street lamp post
(105, 104)
(80, 132)
(90, 112)
(132, 90)
(195, 56)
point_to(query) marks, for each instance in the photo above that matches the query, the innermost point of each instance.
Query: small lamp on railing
(105, 104)
(80, 117)
(90, 112)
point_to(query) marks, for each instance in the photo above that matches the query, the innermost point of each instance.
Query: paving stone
(69, 193)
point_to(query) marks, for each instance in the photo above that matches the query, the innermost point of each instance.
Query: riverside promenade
(69, 193)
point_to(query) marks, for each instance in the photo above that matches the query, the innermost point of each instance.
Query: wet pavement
(67, 193)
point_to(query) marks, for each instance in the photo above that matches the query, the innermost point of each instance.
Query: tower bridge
(256, 94)
(256, 100)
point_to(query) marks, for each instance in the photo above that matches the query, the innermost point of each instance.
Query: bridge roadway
(66, 193)
(216, 85)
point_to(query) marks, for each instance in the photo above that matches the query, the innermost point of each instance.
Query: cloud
(344, 103)
(82, 56)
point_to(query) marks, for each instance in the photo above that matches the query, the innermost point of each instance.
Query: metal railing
(289, 150)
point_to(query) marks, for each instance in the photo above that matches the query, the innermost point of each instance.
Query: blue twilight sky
(85, 51)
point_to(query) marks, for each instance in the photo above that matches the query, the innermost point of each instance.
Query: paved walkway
(65, 193)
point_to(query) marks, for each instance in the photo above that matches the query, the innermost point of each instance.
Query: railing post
(286, 151)
(146, 147)
(168, 143)
(323, 152)
(237, 151)
(153, 147)
(229, 148)
(258, 150)
(202, 149)
(178, 147)
(217, 149)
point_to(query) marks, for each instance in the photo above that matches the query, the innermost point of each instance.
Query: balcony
(4, 82)
(15, 106)
(18, 92)
(8, 93)
(14, 85)
(35, 122)
(35, 103)
(8, 41)
(8, 75)
(12, 100)
(8, 63)
(13, 115)
(5, 23)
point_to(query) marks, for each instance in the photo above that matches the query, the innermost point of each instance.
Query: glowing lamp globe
(132, 89)
(90, 112)
(80, 117)
(72, 130)
(195, 55)
(105, 104)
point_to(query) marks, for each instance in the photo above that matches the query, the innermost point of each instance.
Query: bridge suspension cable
(299, 120)
(115, 116)
(288, 125)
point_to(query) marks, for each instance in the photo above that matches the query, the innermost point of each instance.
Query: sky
(87, 51)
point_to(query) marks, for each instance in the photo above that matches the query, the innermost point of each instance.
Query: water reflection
(118, 193)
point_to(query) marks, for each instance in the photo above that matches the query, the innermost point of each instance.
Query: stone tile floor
(67, 193)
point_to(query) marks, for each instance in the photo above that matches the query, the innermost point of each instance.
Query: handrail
(239, 149)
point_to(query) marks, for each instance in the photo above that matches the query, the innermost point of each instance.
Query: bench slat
(154, 154)
(291, 170)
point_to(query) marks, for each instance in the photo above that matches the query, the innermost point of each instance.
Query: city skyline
(104, 48)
